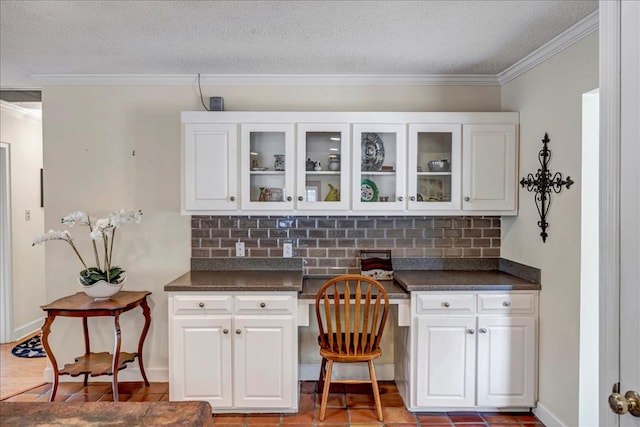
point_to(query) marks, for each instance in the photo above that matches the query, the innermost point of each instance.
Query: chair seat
(351, 354)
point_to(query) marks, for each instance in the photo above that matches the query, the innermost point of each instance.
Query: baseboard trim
(28, 329)
(547, 417)
(384, 371)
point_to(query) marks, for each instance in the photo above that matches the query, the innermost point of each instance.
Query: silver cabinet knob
(482, 330)
(225, 331)
(201, 305)
(471, 331)
(238, 331)
(232, 198)
(446, 304)
(263, 305)
(289, 198)
(506, 303)
(400, 198)
(412, 198)
(466, 199)
(300, 198)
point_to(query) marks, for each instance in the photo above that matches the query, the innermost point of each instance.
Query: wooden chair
(351, 311)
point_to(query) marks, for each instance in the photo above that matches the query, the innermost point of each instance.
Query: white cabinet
(236, 351)
(434, 186)
(379, 171)
(349, 163)
(267, 167)
(210, 167)
(489, 158)
(473, 349)
(323, 165)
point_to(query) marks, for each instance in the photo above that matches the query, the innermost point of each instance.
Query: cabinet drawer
(265, 304)
(202, 304)
(457, 303)
(506, 303)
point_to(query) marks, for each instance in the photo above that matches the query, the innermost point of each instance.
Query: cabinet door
(265, 372)
(445, 361)
(506, 361)
(201, 360)
(210, 162)
(489, 158)
(434, 186)
(379, 167)
(323, 167)
(267, 167)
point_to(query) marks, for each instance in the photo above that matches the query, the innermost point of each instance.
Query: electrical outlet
(287, 250)
(239, 248)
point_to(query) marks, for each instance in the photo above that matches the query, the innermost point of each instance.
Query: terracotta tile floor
(348, 405)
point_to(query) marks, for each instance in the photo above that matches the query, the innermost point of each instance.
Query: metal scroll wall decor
(543, 183)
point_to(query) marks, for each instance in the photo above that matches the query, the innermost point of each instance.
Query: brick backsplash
(331, 244)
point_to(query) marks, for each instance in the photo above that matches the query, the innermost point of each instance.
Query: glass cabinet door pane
(323, 168)
(379, 165)
(434, 162)
(267, 180)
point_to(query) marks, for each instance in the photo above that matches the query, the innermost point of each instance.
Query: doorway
(6, 297)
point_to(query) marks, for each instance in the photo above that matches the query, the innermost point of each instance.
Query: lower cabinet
(238, 351)
(474, 350)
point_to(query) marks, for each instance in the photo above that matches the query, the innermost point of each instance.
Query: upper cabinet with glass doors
(434, 167)
(323, 167)
(379, 152)
(267, 167)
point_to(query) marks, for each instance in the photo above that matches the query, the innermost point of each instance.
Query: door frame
(6, 287)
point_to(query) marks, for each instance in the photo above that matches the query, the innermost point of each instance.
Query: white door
(506, 361)
(201, 360)
(6, 295)
(489, 168)
(264, 362)
(620, 210)
(210, 167)
(445, 361)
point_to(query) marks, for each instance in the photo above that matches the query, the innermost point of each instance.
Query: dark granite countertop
(312, 285)
(239, 281)
(456, 280)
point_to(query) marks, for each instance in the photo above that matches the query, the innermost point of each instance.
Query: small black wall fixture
(542, 183)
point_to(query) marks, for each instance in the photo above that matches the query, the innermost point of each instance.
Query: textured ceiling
(274, 37)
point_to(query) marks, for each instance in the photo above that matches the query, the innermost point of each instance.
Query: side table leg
(143, 335)
(46, 329)
(87, 345)
(116, 357)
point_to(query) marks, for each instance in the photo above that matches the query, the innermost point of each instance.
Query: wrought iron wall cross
(542, 183)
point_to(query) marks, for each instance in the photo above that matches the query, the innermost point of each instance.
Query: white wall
(23, 132)
(549, 99)
(90, 135)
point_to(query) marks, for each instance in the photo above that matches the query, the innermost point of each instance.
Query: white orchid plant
(102, 229)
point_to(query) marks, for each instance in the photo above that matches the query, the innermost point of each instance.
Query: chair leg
(320, 382)
(376, 392)
(325, 390)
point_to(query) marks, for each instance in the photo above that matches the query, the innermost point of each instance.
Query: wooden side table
(96, 364)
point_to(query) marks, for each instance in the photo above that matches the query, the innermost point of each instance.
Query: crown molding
(8, 106)
(265, 79)
(574, 34)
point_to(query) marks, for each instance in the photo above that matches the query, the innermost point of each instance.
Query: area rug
(29, 348)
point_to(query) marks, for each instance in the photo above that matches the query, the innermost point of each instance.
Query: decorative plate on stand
(368, 191)
(372, 152)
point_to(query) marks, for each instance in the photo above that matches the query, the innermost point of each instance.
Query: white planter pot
(102, 290)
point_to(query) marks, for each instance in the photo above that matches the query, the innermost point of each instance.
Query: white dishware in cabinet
(267, 167)
(379, 167)
(323, 167)
(209, 161)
